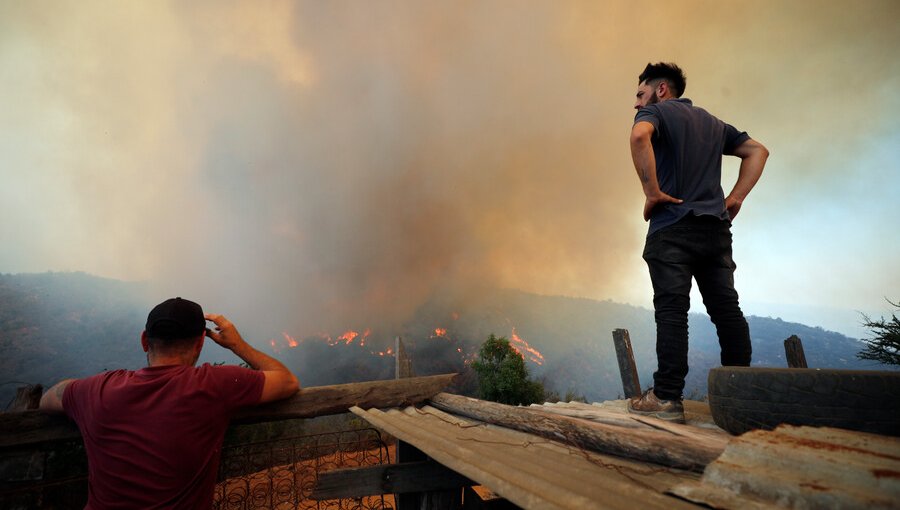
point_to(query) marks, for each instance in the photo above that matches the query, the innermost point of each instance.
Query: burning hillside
(56, 326)
(352, 356)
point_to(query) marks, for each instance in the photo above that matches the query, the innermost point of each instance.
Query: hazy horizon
(303, 165)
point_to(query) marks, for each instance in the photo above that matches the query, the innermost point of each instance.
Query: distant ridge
(59, 325)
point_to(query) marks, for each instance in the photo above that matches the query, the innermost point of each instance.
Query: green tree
(884, 346)
(503, 376)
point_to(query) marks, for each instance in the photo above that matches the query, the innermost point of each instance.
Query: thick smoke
(311, 166)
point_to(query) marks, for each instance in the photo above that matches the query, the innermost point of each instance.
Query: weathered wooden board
(27, 398)
(657, 446)
(631, 384)
(530, 471)
(793, 351)
(339, 398)
(29, 427)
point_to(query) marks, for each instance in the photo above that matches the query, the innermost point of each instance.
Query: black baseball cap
(174, 319)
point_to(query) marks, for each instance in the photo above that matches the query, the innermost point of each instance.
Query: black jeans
(696, 247)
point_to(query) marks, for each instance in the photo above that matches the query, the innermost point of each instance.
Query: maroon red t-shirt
(154, 436)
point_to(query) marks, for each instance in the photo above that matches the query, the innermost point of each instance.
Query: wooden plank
(27, 398)
(597, 414)
(462, 459)
(531, 472)
(631, 384)
(655, 446)
(387, 479)
(620, 418)
(32, 427)
(324, 400)
(551, 460)
(619, 474)
(696, 413)
(793, 350)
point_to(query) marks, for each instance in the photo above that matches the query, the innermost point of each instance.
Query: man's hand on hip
(655, 199)
(733, 206)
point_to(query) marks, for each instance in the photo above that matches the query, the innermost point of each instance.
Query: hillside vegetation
(59, 325)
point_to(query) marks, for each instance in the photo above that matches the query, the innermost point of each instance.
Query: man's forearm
(644, 163)
(753, 159)
(279, 381)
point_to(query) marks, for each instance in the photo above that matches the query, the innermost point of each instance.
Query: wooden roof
(528, 470)
(801, 467)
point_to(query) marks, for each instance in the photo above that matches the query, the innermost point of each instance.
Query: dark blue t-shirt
(688, 143)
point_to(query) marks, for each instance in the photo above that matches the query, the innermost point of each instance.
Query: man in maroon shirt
(153, 436)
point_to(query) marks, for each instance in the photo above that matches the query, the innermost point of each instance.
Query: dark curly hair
(673, 75)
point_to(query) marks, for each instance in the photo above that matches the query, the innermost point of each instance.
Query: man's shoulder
(206, 367)
(665, 108)
(102, 376)
(240, 386)
(225, 372)
(680, 104)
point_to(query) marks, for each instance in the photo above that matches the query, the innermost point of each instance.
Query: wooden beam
(27, 398)
(631, 384)
(793, 350)
(339, 398)
(29, 427)
(387, 479)
(657, 446)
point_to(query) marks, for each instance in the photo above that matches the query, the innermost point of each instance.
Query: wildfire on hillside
(352, 336)
(521, 345)
(348, 337)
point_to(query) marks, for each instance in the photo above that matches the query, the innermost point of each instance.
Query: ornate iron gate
(281, 474)
(278, 474)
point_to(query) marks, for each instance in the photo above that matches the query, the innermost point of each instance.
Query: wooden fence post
(405, 451)
(631, 384)
(793, 350)
(403, 364)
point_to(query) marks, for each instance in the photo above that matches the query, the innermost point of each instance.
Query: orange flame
(348, 336)
(521, 345)
(289, 339)
(442, 332)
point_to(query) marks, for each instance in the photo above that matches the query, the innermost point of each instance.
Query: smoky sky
(313, 165)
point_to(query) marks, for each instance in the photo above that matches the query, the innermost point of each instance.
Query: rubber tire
(744, 398)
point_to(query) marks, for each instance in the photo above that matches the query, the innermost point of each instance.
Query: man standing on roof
(677, 150)
(153, 436)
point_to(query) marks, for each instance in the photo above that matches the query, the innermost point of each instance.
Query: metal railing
(281, 474)
(276, 474)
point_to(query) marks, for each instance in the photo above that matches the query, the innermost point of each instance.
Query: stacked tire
(744, 398)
